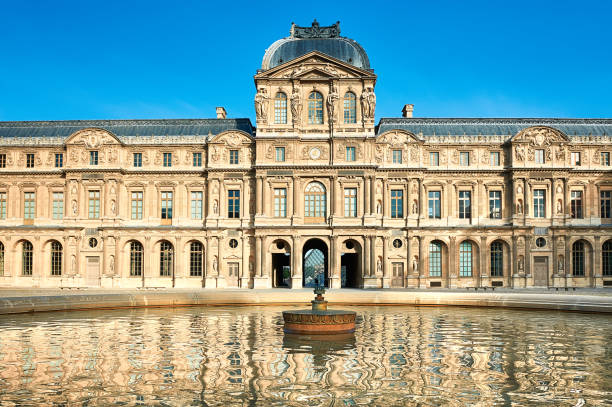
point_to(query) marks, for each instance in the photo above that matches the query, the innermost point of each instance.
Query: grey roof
(493, 127)
(323, 39)
(126, 128)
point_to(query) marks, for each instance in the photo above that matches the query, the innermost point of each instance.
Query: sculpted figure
(379, 266)
(520, 153)
(521, 263)
(261, 105)
(73, 264)
(111, 264)
(215, 207)
(332, 98)
(113, 207)
(559, 206)
(415, 265)
(296, 105)
(560, 263)
(415, 207)
(368, 103)
(74, 207)
(519, 206)
(215, 265)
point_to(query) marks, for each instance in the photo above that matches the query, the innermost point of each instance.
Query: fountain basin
(319, 322)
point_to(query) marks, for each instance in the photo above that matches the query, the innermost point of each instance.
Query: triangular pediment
(540, 136)
(324, 65)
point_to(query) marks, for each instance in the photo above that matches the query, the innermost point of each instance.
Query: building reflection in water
(240, 356)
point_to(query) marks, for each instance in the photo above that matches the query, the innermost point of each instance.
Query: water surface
(208, 356)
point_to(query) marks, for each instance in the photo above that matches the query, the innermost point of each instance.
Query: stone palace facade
(316, 191)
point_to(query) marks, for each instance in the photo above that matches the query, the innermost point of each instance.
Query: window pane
(434, 204)
(196, 205)
(350, 202)
(495, 204)
(280, 108)
(606, 198)
(465, 204)
(539, 203)
(497, 260)
(58, 205)
(166, 205)
(465, 259)
(435, 259)
(94, 204)
(315, 108)
(350, 105)
(397, 203)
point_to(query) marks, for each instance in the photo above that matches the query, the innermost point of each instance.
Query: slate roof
(126, 128)
(493, 127)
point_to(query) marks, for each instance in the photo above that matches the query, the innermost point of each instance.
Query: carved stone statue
(111, 264)
(215, 265)
(519, 207)
(415, 265)
(73, 264)
(520, 153)
(215, 207)
(296, 105)
(415, 207)
(379, 208)
(74, 207)
(521, 263)
(368, 103)
(560, 263)
(113, 207)
(379, 266)
(332, 98)
(559, 207)
(261, 105)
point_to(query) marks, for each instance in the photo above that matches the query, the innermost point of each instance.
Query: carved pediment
(92, 138)
(540, 136)
(397, 138)
(325, 66)
(232, 139)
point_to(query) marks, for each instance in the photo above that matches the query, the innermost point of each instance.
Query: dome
(326, 40)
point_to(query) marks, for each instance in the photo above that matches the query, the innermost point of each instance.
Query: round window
(349, 244)
(280, 245)
(93, 242)
(540, 242)
(397, 243)
(233, 243)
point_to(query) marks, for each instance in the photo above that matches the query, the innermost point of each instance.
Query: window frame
(196, 204)
(315, 108)
(166, 205)
(196, 159)
(578, 259)
(56, 258)
(350, 108)
(495, 204)
(575, 158)
(396, 156)
(233, 203)
(605, 204)
(59, 160)
(279, 154)
(495, 158)
(435, 259)
(397, 203)
(434, 204)
(350, 202)
(315, 202)
(280, 108)
(94, 157)
(196, 256)
(30, 160)
(539, 203)
(166, 259)
(434, 158)
(57, 205)
(167, 159)
(496, 268)
(29, 205)
(280, 202)
(234, 158)
(466, 259)
(137, 163)
(136, 259)
(350, 153)
(3, 160)
(139, 204)
(27, 258)
(3, 204)
(539, 156)
(464, 158)
(465, 204)
(93, 197)
(576, 204)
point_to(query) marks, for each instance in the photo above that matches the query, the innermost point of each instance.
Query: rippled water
(240, 356)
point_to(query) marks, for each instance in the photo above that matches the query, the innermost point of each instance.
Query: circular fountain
(319, 320)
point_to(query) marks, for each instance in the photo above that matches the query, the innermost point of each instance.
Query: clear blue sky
(179, 59)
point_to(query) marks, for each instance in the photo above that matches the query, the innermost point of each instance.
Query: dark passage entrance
(281, 265)
(349, 264)
(315, 264)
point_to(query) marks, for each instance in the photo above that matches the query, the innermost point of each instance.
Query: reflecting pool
(208, 356)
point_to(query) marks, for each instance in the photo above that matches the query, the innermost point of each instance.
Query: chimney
(221, 113)
(407, 111)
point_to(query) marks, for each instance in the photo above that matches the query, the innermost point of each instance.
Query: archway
(281, 263)
(314, 264)
(350, 261)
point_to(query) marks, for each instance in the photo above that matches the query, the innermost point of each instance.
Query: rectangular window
(233, 203)
(350, 154)
(465, 204)
(233, 156)
(433, 204)
(464, 158)
(397, 203)
(435, 259)
(29, 160)
(465, 259)
(166, 205)
(137, 159)
(350, 202)
(196, 204)
(434, 158)
(233, 269)
(29, 205)
(280, 154)
(495, 158)
(197, 159)
(575, 156)
(137, 205)
(2, 160)
(539, 201)
(93, 158)
(576, 204)
(606, 198)
(94, 204)
(2, 205)
(280, 202)
(397, 156)
(167, 160)
(605, 158)
(58, 205)
(495, 204)
(539, 156)
(59, 160)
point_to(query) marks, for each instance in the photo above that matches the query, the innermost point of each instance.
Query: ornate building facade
(316, 191)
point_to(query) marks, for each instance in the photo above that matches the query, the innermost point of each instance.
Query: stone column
(372, 182)
(259, 196)
(335, 280)
(267, 191)
(337, 197)
(483, 270)
(452, 263)
(146, 272)
(244, 270)
(373, 257)
(366, 252)
(296, 260)
(385, 277)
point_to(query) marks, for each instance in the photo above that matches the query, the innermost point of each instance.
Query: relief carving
(332, 98)
(368, 103)
(296, 105)
(261, 105)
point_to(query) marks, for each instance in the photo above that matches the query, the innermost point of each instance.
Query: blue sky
(146, 59)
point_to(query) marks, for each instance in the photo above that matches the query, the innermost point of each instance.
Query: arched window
(1, 259)
(350, 106)
(497, 259)
(315, 202)
(606, 254)
(27, 257)
(195, 259)
(465, 259)
(280, 108)
(56, 258)
(435, 259)
(315, 108)
(165, 258)
(578, 258)
(135, 258)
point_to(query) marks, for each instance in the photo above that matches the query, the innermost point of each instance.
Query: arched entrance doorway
(314, 264)
(281, 263)
(350, 261)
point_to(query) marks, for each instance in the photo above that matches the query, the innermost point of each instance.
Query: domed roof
(315, 38)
